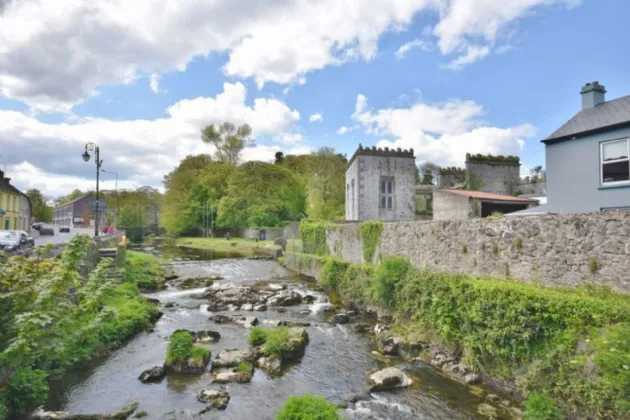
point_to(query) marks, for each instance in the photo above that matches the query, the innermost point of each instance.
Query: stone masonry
(494, 177)
(367, 170)
(558, 250)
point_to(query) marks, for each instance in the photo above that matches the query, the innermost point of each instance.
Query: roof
(607, 115)
(532, 211)
(482, 195)
(75, 200)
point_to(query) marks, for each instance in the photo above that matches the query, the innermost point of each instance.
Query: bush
(27, 389)
(180, 346)
(371, 236)
(145, 270)
(386, 277)
(308, 407)
(332, 273)
(313, 234)
(277, 341)
(257, 336)
(540, 407)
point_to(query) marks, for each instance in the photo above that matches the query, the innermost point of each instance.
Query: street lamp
(116, 203)
(86, 157)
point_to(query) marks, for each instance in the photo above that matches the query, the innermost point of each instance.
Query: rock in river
(203, 336)
(272, 365)
(361, 327)
(388, 378)
(285, 298)
(216, 398)
(154, 374)
(220, 319)
(390, 346)
(246, 321)
(340, 318)
(242, 374)
(232, 358)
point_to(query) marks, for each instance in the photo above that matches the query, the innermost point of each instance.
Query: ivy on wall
(370, 235)
(313, 234)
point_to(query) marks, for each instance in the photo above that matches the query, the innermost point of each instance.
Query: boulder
(274, 287)
(390, 346)
(283, 323)
(281, 310)
(271, 365)
(285, 298)
(296, 345)
(308, 298)
(220, 319)
(388, 378)
(231, 375)
(380, 329)
(41, 414)
(154, 374)
(232, 358)
(361, 327)
(217, 399)
(203, 336)
(169, 305)
(247, 307)
(305, 312)
(340, 318)
(216, 306)
(486, 410)
(245, 321)
(260, 308)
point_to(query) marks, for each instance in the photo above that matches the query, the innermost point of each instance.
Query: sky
(141, 79)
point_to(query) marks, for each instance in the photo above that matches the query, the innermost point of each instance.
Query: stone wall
(558, 250)
(494, 177)
(447, 206)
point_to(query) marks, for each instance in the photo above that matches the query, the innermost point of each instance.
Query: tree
(279, 158)
(228, 140)
(40, 211)
(537, 174)
(68, 198)
(429, 173)
(326, 192)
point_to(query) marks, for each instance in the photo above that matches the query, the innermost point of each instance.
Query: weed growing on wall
(464, 249)
(593, 265)
(518, 243)
(495, 248)
(333, 273)
(313, 233)
(371, 236)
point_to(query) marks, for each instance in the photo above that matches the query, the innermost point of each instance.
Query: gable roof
(75, 200)
(482, 195)
(607, 115)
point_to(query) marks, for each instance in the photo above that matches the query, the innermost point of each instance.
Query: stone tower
(380, 184)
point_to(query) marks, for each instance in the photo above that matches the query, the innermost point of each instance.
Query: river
(336, 363)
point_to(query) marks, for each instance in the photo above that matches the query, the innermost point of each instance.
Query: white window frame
(387, 195)
(601, 161)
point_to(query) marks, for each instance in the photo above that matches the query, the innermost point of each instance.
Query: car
(13, 240)
(36, 225)
(26, 238)
(64, 229)
(46, 230)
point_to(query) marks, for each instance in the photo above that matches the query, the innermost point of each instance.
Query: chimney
(593, 94)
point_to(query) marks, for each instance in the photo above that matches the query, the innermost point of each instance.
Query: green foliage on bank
(572, 346)
(313, 234)
(181, 350)
(370, 236)
(145, 270)
(274, 341)
(51, 319)
(308, 407)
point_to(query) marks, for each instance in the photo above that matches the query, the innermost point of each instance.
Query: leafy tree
(68, 198)
(429, 173)
(537, 174)
(326, 195)
(40, 211)
(228, 140)
(279, 158)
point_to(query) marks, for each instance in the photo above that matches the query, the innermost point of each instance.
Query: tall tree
(228, 140)
(429, 172)
(40, 211)
(537, 174)
(326, 195)
(279, 158)
(72, 196)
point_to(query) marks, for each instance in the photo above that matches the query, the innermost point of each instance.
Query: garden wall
(557, 250)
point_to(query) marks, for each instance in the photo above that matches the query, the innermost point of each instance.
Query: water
(336, 363)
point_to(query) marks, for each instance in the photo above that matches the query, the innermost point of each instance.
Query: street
(58, 237)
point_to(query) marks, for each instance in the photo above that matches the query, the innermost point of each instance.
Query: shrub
(371, 236)
(540, 407)
(277, 340)
(257, 336)
(313, 234)
(386, 278)
(308, 407)
(27, 389)
(180, 347)
(245, 367)
(356, 283)
(332, 273)
(145, 270)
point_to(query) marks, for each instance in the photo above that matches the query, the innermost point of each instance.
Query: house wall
(25, 214)
(10, 203)
(557, 250)
(498, 178)
(448, 206)
(352, 194)
(573, 176)
(368, 170)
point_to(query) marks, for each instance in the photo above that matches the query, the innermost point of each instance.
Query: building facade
(26, 211)
(380, 184)
(493, 174)
(464, 204)
(75, 213)
(10, 199)
(588, 158)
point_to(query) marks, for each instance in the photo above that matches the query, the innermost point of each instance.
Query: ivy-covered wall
(555, 249)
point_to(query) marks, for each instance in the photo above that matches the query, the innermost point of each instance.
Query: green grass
(245, 367)
(145, 270)
(274, 341)
(308, 407)
(257, 336)
(181, 350)
(244, 247)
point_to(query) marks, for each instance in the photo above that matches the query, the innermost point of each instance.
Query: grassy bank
(145, 270)
(571, 347)
(240, 246)
(52, 319)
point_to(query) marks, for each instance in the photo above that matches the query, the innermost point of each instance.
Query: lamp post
(86, 157)
(116, 198)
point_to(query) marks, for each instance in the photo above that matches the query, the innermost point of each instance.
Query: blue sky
(522, 65)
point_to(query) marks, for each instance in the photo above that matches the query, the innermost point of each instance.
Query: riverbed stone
(472, 379)
(381, 329)
(215, 398)
(281, 310)
(260, 308)
(361, 327)
(232, 358)
(245, 321)
(308, 299)
(486, 410)
(388, 378)
(230, 375)
(247, 307)
(154, 374)
(203, 336)
(340, 318)
(270, 364)
(285, 298)
(220, 319)
(390, 346)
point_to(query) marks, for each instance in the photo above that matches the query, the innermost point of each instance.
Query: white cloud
(316, 117)
(441, 133)
(473, 53)
(154, 83)
(416, 43)
(267, 153)
(343, 130)
(140, 151)
(55, 54)
(290, 138)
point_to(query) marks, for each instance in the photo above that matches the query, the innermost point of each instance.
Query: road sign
(102, 206)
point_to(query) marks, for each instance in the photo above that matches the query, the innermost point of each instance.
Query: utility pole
(86, 157)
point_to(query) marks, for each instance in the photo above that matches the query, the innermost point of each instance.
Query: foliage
(495, 215)
(313, 234)
(474, 183)
(429, 172)
(332, 273)
(245, 367)
(326, 184)
(371, 236)
(228, 140)
(52, 318)
(540, 407)
(235, 246)
(68, 198)
(136, 209)
(453, 170)
(145, 270)
(593, 265)
(40, 211)
(464, 249)
(308, 407)
(279, 157)
(518, 243)
(537, 174)
(493, 159)
(386, 278)
(277, 341)
(261, 187)
(181, 350)
(257, 336)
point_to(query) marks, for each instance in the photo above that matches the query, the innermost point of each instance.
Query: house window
(387, 193)
(615, 161)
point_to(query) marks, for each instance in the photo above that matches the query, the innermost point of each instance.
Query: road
(59, 238)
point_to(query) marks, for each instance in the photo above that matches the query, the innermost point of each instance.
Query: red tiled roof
(482, 195)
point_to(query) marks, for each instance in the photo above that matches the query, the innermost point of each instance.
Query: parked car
(64, 229)
(13, 240)
(46, 230)
(37, 225)
(26, 238)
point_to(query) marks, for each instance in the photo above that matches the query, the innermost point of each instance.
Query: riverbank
(52, 319)
(234, 247)
(568, 348)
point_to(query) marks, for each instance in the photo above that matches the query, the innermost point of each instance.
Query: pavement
(60, 238)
